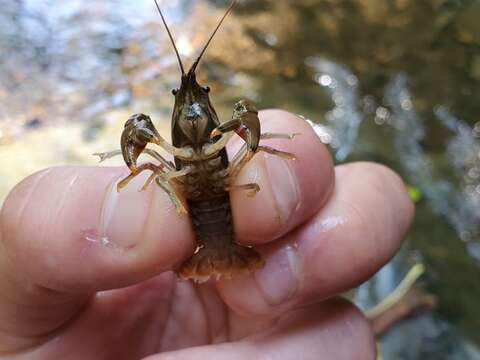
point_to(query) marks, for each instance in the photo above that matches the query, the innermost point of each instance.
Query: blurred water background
(394, 81)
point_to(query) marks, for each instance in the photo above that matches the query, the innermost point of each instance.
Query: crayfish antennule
(182, 69)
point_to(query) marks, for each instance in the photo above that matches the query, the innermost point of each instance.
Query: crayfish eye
(174, 92)
(206, 89)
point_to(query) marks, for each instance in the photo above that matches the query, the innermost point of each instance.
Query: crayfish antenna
(171, 38)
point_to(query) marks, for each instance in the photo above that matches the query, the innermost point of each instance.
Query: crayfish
(201, 177)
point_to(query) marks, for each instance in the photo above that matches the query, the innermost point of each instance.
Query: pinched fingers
(66, 232)
(68, 229)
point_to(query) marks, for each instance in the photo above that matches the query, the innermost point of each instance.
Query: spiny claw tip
(156, 140)
(214, 133)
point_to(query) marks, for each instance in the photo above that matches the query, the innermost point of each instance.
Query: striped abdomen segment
(212, 221)
(217, 254)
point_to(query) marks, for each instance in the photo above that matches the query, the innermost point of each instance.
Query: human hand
(85, 271)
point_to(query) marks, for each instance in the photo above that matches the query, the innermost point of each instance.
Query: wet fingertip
(313, 164)
(291, 191)
(284, 186)
(269, 290)
(278, 280)
(124, 212)
(166, 237)
(276, 115)
(267, 215)
(388, 184)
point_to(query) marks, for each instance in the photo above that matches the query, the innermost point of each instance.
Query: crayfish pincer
(201, 174)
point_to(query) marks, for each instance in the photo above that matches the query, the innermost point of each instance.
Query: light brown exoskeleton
(202, 173)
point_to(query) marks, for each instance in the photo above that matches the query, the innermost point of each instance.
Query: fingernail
(124, 213)
(284, 185)
(277, 279)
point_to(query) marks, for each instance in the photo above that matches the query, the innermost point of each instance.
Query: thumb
(66, 233)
